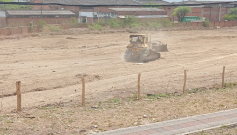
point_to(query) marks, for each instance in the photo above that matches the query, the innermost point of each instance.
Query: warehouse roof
(106, 2)
(199, 2)
(137, 9)
(38, 12)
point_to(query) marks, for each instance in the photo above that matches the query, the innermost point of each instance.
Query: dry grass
(71, 118)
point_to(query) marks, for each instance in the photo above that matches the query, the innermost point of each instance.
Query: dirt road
(50, 67)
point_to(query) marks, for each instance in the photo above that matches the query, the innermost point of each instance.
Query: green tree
(233, 11)
(13, 7)
(232, 15)
(206, 23)
(153, 5)
(181, 12)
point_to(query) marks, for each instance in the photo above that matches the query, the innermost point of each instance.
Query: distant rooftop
(38, 13)
(107, 2)
(137, 9)
(198, 2)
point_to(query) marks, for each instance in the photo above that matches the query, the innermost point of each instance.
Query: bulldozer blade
(161, 48)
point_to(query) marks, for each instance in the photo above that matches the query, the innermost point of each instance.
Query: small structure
(24, 17)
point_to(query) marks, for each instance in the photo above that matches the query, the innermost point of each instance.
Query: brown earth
(50, 67)
(72, 119)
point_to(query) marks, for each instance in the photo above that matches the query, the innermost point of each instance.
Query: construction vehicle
(142, 49)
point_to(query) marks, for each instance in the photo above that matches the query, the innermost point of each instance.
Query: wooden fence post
(223, 77)
(138, 86)
(18, 92)
(185, 78)
(83, 91)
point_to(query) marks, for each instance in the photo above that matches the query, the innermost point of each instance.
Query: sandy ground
(50, 67)
(72, 119)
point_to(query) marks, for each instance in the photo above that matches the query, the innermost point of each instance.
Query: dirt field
(50, 67)
(72, 119)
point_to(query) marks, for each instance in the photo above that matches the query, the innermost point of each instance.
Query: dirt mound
(71, 38)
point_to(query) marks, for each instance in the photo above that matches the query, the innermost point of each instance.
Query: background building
(24, 17)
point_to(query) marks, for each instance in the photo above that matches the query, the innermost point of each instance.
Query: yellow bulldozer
(142, 49)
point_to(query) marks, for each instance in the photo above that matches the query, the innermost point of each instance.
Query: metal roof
(106, 2)
(151, 16)
(137, 9)
(198, 2)
(145, 16)
(38, 12)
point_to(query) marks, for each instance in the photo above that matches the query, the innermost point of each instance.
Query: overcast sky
(197, 0)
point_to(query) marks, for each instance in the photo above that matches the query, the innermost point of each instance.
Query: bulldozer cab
(143, 41)
(140, 38)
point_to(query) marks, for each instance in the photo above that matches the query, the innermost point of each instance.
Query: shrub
(206, 23)
(31, 26)
(41, 24)
(114, 23)
(232, 15)
(101, 21)
(73, 22)
(153, 24)
(229, 17)
(130, 21)
(165, 22)
(55, 28)
(95, 26)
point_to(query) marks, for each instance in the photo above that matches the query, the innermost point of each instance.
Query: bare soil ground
(50, 68)
(70, 118)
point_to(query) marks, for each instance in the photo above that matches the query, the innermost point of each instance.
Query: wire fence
(115, 85)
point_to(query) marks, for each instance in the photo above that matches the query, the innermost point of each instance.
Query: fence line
(139, 90)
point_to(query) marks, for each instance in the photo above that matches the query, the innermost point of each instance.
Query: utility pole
(41, 13)
(219, 12)
(98, 15)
